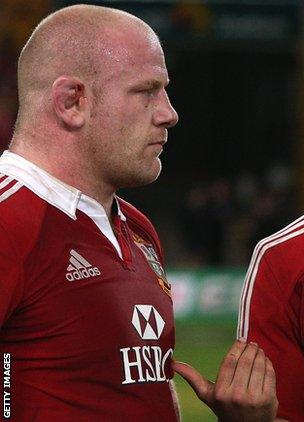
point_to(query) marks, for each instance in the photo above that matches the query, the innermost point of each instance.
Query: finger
(258, 373)
(202, 387)
(244, 367)
(270, 379)
(229, 364)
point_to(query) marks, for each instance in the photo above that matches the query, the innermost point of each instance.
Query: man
(86, 313)
(271, 312)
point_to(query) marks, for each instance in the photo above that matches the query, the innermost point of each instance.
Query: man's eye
(149, 91)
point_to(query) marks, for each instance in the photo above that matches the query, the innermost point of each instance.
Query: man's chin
(153, 174)
(143, 178)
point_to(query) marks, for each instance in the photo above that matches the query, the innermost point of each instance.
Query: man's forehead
(135, 56)
(131, 43)
(140, 72)
(148, 74)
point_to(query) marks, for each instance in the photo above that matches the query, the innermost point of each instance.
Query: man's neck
(73, 175)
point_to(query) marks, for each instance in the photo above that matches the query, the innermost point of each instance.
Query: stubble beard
(138, 177)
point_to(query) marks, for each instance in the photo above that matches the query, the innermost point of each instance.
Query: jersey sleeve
(271, 314)
(11, 280)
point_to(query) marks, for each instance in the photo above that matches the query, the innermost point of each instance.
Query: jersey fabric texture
(86, 315)
(272, 312)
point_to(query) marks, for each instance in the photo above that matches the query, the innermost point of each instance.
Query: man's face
(132, 112)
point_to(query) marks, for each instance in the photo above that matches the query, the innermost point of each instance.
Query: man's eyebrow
(152, 83)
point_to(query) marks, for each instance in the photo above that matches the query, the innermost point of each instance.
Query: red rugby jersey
(87, 323)
(272, 312)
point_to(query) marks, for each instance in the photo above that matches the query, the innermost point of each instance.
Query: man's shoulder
(139, 223)
(286, 240)
(283, 251)
(136, 218)
(21, 213)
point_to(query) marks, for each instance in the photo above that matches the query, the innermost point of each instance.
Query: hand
(245, 388)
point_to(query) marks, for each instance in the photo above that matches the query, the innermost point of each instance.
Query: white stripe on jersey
(294, 229)
(11, 191)
(6, 181)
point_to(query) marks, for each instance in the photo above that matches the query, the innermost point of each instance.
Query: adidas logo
(80, 268)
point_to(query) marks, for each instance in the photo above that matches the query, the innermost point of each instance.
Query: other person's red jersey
(86, 316)
(272, 312)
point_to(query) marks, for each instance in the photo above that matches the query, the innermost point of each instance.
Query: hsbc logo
(146, 363)
(147, 322)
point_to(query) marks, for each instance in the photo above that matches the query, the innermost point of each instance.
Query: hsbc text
(144, 364)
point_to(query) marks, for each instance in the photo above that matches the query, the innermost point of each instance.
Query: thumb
(202, 387)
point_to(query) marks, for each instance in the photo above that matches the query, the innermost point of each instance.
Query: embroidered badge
(152, 258)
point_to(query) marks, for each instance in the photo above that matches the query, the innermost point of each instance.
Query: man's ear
(70, 102)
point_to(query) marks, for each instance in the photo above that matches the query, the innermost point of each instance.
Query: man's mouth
(161, 143)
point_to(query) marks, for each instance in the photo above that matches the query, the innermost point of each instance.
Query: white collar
(54, 191)
(62, 196)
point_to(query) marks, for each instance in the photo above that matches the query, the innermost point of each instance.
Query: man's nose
(165, 114)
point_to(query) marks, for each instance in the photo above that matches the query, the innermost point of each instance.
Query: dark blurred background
(233, 169)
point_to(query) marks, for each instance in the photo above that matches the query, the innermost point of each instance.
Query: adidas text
(80, 274)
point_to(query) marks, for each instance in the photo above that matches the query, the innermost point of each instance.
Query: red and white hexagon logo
(147, 322)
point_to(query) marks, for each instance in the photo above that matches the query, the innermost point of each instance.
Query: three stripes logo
(80, 268)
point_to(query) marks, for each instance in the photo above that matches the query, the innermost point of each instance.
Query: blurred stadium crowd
(213, 220)
(228, 219)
